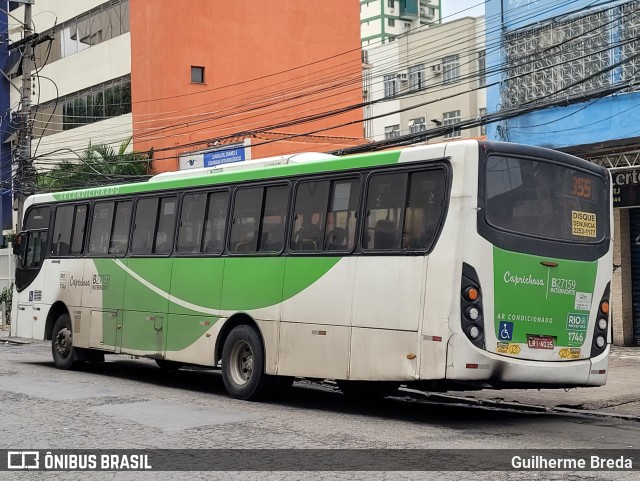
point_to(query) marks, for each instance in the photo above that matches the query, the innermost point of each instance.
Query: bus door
(30, 249)
(65, 280)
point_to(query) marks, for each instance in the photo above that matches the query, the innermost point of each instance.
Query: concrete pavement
(620, 397)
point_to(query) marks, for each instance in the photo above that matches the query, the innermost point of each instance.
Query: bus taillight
(600, 333)
(471, 306)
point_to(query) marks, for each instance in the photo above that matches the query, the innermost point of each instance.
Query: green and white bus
(461, 265)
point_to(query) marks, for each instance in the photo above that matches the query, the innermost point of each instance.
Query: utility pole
(24, 173)
(25, 162)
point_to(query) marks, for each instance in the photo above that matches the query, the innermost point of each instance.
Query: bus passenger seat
(308, 237)
(336, 239)
(308, 245)
(385, 235)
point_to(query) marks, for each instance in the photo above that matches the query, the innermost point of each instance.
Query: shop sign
(626, 187)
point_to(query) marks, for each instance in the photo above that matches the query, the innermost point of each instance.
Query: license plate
(540, 342)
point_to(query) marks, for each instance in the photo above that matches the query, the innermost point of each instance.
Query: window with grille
(452, 118)
(417, 125)
(416, 77)
(450, 68)
(482, 68)
(390, 85)
(392, 132)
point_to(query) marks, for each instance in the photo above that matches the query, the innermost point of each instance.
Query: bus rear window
(544, 199)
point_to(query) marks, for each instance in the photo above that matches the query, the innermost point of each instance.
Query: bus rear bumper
(469, 365)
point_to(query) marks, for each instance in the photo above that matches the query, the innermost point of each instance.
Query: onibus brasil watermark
(321, 459)
(33, 460)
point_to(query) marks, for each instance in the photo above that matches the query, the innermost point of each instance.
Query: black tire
(367, 391)
(168, 366)
(243, 365)
(64, 355)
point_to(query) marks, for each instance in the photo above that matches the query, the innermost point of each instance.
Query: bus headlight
(473, 313)
(602, 324)
(600, 342)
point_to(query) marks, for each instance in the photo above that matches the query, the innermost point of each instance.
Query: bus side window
(191, 225)
(424, 208)
(246, 215)
(163, 242)
(101, 223)
(144, 225)
(120, 235)
(216, 221)
(340, 229)
(386, 197)
(63, 225)
(309, 216)
(273, 219)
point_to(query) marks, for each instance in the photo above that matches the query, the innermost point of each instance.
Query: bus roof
(258, 169)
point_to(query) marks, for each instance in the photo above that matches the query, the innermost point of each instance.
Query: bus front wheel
(243, 365)
(64, 356)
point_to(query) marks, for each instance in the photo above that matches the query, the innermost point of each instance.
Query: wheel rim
(63, 342)
(241, 365)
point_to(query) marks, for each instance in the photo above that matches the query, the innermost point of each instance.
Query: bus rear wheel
(64, 356)
(243, 365)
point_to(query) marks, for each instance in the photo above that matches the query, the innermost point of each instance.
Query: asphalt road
(131, 404)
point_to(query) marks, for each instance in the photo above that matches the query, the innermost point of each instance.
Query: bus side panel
(64, 280)
(442, 285)
(318, 290)
(146, 305)
(383, 355)
(253, 285)
(191, 339)
(314, 350)
(270, 331)
(389, 292)
(194, 307)
(104, 298)
(316, 314)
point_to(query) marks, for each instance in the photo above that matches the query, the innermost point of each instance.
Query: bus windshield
(543, 199)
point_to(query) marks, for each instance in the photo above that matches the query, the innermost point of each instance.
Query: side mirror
(17, 242)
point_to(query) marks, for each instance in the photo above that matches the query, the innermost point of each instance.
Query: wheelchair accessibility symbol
(505, 331)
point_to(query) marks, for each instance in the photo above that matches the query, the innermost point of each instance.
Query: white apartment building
(82, 82)
(381, 21)
(428, 78)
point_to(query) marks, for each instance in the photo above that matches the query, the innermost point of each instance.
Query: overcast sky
(453, 9)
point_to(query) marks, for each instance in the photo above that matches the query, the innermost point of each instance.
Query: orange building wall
(265, 62)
